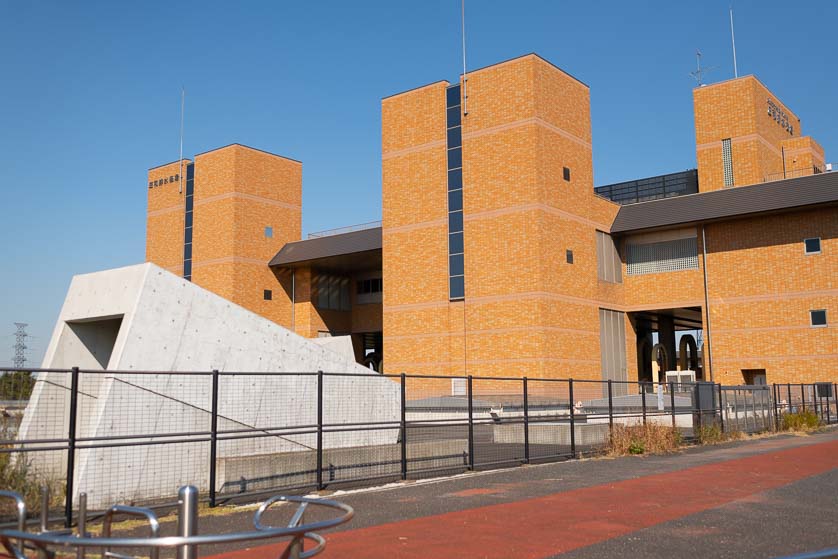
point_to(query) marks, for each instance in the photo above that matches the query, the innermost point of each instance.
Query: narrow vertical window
(188, 221)
(454, 145)
(727, 160)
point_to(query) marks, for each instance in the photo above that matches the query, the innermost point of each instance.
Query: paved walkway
(661, 506)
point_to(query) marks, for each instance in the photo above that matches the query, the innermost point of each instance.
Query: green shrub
(800, 421)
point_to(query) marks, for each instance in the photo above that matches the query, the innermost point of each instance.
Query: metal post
(526, 423)
(697, 388)
(470, 426)
(44, 508)
(672, 402)
(81, 526)
(803, 395)
(320, 430)
(610, 410)
(213, 437)
(721, 409)
(404, 426)
(71, 448)
(572, 419)
(815, 400)
(827, 407)
(774, 397)
(187, 520)
(643, 400)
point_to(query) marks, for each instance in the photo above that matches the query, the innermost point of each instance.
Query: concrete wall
(170, 324)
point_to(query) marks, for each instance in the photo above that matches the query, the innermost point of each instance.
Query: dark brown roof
(729, 203)
(332, 249)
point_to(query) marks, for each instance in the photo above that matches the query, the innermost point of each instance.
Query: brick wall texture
(527, 310)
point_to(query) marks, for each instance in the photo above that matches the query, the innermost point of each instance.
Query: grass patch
(643, 439)
(713, 434)
(16, 475)
(800, 421)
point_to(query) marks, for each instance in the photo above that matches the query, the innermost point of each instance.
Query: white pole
(465, 79)
(180, 159)
(733, 41)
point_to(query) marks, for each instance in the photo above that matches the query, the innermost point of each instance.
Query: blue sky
(90, 99)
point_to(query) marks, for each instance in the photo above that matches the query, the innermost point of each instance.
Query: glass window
(187, 269)
(455, 179)
(455, 200)
(188, 219)
(452, 96)
(566, 173)
(455, 158)
(455, 265)
(455, 222)
(453, 116)
(269, 232)
(813, 246)
(454, 138)
(818, 317)
(569, 256)
(268, 295)
(727, 161)
(455, 243)
(457, 287)
(187, 251)
(189, 204)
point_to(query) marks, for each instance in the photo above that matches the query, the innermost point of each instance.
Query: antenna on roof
(465, 79)
(180, 159)
(699, 73)
(733, 42)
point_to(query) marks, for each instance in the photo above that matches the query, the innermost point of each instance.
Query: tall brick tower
(221, 222)
(490, 226)
(745, 135)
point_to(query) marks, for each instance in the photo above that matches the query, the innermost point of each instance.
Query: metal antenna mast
(733, 41)
(180, 159)
(465, 79)
(699, 73)
(20, 345)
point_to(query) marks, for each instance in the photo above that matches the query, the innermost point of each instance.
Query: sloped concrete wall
(169, 324)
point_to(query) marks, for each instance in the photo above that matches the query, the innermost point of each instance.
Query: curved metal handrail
(294, 530)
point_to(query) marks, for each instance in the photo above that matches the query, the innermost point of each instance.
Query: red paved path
(546, 526)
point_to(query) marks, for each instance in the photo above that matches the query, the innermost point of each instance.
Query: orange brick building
(496, 256)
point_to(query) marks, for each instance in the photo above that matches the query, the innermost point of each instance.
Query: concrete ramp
(143, 318)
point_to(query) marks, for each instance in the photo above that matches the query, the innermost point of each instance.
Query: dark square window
(455, 200)
(457, 287)
(566, 173)
(190, 171)
(455, 243)
(187, 269)
(452, 96)
(454, 137)
(189, 203)
(456, 265)
(188, 219)
(453, 116)
(569, 256)
(455, 179)
(813, 246)
(268, 295)
(455, 158)
(187, 251)
(455, 222)
(818, 317)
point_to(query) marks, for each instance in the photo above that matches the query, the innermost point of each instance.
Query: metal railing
(346, 229)
(793, 173)
(122, 435)
(16, 541)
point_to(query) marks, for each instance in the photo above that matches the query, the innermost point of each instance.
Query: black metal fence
(135, 436)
